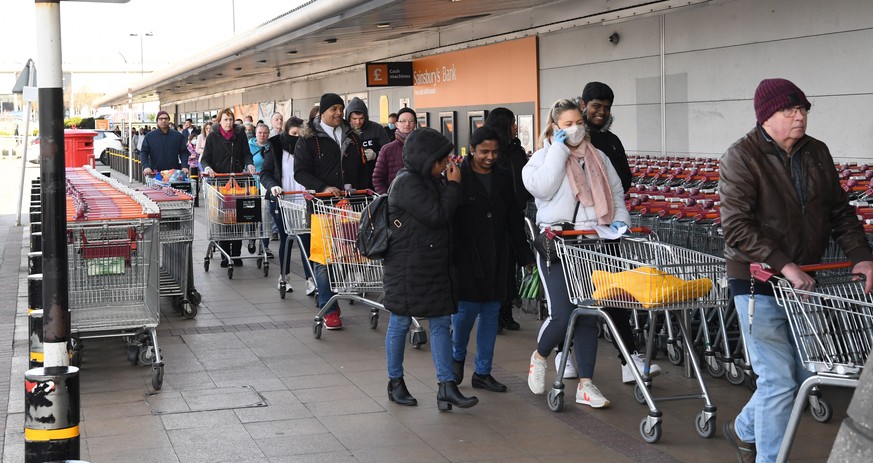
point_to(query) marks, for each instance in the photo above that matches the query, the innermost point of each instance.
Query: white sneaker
(536, 376)
(310, 286)
(570, 370)
(588, 394)
(627, 376)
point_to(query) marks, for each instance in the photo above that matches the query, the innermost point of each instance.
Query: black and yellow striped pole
(34, 338)
(51, 414)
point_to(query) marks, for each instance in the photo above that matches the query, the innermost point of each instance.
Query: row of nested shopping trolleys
(118, 248)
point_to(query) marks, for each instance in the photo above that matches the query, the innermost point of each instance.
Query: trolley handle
(309, 194)
(551, 234)
(763, 272)
(232, 174)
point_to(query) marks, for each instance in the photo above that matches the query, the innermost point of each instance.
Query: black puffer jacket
(483, 227)
(609, 143)
(320, 163)
(226, 156)
(512, 160)
(417, 266)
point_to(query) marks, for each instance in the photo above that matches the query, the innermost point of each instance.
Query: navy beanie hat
(328, 100)
(776, 94)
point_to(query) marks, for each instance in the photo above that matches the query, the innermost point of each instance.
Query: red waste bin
(79, 147)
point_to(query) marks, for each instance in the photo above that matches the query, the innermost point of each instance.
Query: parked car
(105, 139)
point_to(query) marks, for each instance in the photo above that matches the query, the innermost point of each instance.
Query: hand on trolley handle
(801, 280)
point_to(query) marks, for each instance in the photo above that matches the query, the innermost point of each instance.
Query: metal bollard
(34, 339)
(36, 242)
(34, 292)
(51, 414)
(34, 263)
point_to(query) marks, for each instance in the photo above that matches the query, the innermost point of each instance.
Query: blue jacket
(161, 151)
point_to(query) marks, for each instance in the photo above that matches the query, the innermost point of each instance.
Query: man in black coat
(329, 158)
(373, 136)
(596, 106)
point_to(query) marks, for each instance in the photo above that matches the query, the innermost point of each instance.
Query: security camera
(613, 39)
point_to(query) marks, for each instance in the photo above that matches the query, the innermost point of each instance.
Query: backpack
(375, 229)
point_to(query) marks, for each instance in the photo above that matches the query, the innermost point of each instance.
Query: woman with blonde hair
(575, 185)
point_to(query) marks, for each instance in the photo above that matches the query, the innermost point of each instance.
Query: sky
(96, 36)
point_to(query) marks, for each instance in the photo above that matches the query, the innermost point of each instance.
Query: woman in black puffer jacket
(417, 279)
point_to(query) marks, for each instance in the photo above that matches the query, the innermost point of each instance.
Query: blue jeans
(322, 281)
(486, 332)
(285, 246)
(775, 359)
(440, 345)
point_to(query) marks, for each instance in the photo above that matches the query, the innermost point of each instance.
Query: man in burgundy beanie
(780, 202)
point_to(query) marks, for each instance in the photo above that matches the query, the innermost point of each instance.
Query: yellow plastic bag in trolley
(648, 286)
(320, 233)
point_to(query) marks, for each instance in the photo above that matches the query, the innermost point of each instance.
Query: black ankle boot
(449, 395)
(398, 393)
(506, 318)
(487, 382)
(458, 371)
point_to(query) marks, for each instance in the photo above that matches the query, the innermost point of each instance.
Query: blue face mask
(391, 126)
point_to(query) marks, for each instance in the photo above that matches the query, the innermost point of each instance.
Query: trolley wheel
(714, 366)
(146, 354)
(705, 429)
(283, 287)
(823, 412)
(317, 326)
(189, 311)
(206, 264)
(650, 434)
(259, 262)
(638, 394)
(251, 247)
(266, 269)
(735, 375)
(157, 377)
(230, 273)
(675, 354)
(76, 357)
(178, 304)
(418, 338)
(194, 297)
(133, 354)
(556, 400)
(374, 320)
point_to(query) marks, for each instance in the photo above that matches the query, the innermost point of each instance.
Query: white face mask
(575, 135)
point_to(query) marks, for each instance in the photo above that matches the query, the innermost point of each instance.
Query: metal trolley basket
(352, 276)
(600, 273)
(295, 220)
(114, 286)
(176, 234)
(236, 212)
(832, 326)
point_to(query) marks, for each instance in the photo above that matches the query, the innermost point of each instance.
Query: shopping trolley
(295, 219)
(176, 233)
(611, 273)
(832, 327)
(352, 276)
(112, 255)
(236, 212)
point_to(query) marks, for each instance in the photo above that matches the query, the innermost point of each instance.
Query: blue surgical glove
(616, 225)
(560, 136)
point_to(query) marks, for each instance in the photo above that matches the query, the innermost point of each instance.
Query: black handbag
(545, 246)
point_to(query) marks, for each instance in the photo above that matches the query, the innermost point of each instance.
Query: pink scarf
(591, 185)
(227, 134)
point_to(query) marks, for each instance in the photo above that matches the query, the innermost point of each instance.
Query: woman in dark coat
(486, 224)
(227, 151)
(417, 264)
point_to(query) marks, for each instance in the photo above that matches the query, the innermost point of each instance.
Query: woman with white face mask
(572, 183)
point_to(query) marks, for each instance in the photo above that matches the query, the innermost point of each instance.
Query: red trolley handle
(551, 234)
(763, 272)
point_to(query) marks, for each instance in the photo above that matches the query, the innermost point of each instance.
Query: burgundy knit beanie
(776, 94)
